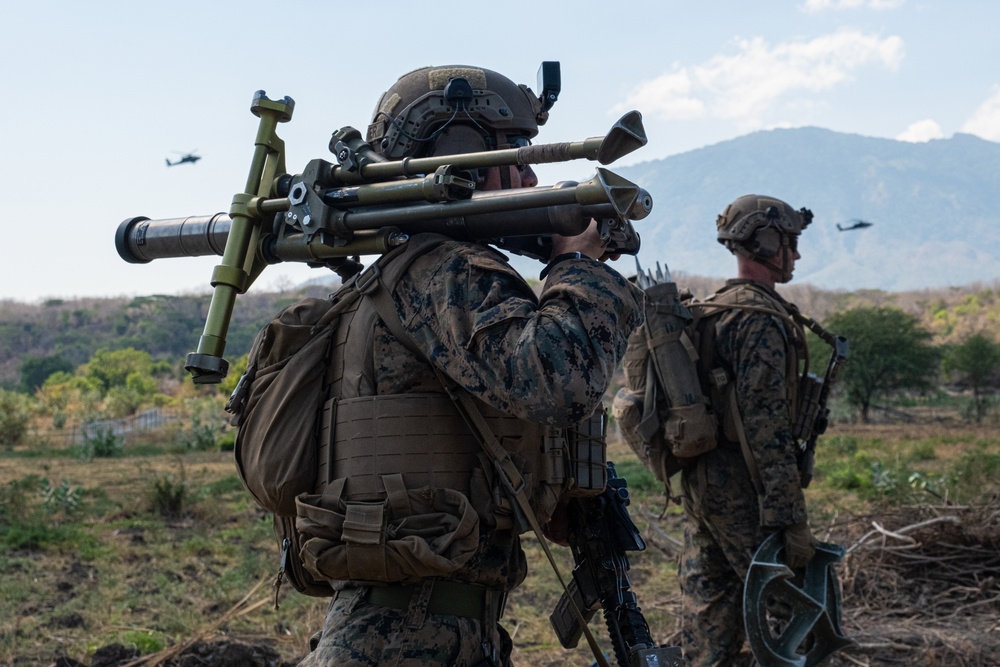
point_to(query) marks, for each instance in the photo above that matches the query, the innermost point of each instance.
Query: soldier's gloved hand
(589, 244)
(800, 545)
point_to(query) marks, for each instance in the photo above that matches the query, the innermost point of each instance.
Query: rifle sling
(510, 476)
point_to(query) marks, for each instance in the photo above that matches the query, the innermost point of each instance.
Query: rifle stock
(366, 205)
(601, 534)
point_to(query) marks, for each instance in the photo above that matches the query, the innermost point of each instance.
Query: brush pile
(921, 586)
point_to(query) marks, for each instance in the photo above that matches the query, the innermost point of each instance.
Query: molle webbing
(421, 436)
(333, 383)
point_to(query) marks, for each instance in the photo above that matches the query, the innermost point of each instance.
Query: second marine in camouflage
(730, 506)
(743, 485)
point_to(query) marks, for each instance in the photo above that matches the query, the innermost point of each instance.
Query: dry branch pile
(921, 586)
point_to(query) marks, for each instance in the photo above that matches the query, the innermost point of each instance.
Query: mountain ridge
(933, 205)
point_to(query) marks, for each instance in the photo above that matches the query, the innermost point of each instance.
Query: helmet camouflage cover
(454, 104)
(757, 226)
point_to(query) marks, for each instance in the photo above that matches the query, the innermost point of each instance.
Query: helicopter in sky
(185, 157)
(856, 224)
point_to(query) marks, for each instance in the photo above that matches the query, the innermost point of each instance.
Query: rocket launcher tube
(493, 215)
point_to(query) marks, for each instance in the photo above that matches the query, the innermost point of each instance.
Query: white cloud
(670, 95)
(985, 121)
(823, 5)
(920, 131)
(741, 85)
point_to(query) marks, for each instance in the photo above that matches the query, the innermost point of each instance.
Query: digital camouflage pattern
(726, 520)
(357, 634)
(546, 359)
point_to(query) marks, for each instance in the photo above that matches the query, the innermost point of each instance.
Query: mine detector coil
(804, 630)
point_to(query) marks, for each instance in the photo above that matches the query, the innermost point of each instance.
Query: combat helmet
(466, 108)
(758, 227)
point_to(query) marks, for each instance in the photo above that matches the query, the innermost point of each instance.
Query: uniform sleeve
(761, 390)
(546, 359)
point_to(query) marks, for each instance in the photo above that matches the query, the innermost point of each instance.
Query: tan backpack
(662, 411)
(278, 407)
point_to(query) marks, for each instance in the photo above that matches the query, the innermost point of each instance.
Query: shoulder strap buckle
(369, 279)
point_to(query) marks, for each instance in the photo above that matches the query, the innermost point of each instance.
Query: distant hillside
(168, 327)
(934, 205)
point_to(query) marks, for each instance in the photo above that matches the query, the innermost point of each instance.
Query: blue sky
(97, 94)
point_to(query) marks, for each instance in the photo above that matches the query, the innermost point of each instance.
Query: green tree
(113, 368)
(889, 351)
(974, 360)
(16, 411)
(36, 370)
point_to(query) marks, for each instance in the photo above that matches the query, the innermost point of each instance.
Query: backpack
(678, 402)
(662, 412)
(278, 409)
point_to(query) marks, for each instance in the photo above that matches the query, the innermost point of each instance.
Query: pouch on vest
(411, 535)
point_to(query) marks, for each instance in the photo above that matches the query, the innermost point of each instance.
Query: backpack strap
(721, 386)
(748, 456)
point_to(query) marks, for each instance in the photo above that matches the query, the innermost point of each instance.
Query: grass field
(158, 546)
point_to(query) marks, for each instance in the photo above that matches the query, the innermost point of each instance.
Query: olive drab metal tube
(625, 136)
(547, 210)
(604, 188)
(240, 263)
(141, 240)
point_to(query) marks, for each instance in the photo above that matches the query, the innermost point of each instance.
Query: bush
(63, 498)
(28, 523)
(975, 474)
(226, 441)
(170, 496)
(101, 442)
(198, 438)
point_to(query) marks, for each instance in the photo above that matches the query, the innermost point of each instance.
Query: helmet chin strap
(781, 273)
(504, 177)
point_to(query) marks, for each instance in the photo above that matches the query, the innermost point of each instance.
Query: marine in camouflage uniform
(727, 517)
(544, 359)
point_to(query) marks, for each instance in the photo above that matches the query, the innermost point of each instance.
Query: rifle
(814, 392)
(601, 532)
(331, 214)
